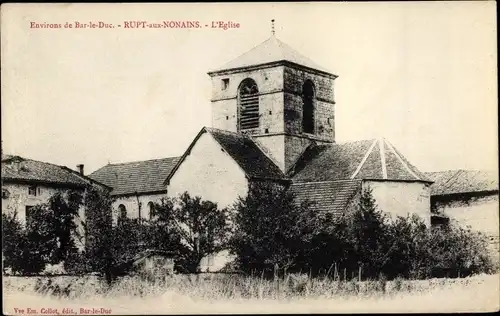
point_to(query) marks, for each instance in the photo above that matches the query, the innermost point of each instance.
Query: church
(273, 119)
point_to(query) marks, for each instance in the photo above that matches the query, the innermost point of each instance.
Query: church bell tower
(279, 97)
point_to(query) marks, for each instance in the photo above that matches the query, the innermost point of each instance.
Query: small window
(270, 112)
(227, 117)
(151, 209)
(225, 83)
(122, 212)
(32, 190)
(266, 130)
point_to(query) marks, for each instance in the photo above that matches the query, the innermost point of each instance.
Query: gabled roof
(270, 51)
(19, 169)
(136, 177)
(328, 196)
(244, 151)
(462, 181)
(374, 159)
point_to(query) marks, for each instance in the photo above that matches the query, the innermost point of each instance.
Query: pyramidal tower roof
(270, 51)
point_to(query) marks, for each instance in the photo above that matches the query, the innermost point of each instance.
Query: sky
(423, 75)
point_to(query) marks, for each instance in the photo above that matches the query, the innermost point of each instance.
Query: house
(273, 120)
(27, 183)
(136, 186)
(468, 198)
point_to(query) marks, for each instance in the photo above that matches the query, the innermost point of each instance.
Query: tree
(18, 252)
(98, 254)
(199, 226)
(366, 234)
(52, 226)
(272, 230)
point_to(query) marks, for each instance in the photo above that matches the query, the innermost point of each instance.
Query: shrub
(272, 231)
(196, 228)
(19, 251)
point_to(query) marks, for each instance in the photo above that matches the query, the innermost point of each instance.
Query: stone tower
(279, 97)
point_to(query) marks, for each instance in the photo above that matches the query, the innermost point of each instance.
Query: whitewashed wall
(209, 172)
(19, 198)
(402, 198)
(480, 213)
(132, 202)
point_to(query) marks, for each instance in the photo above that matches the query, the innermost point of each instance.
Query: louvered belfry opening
(308, 107)
(248, 105)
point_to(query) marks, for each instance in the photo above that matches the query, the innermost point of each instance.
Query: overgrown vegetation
(273, 233)
(269, 232)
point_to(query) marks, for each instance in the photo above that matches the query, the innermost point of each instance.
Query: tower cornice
(270, 65)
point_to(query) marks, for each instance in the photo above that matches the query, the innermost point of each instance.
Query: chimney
(80, 168)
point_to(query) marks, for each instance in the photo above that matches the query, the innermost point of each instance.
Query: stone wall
(225, 101)
(324, 106)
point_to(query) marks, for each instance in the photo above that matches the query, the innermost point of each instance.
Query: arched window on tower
(308, 107)
(248, 105)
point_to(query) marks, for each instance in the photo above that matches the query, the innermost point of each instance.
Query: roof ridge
(365, 157)
(136, 161)
(401, 160)
(448, 182)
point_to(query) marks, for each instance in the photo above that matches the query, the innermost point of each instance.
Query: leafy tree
(98, 256)
(198, 227)
(366, 233)
(52, 226)
(18, 253)
(272, 230)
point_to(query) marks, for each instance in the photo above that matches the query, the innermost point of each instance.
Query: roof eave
(284, 62)
(139, 193)
(38, 181)
(396, 180)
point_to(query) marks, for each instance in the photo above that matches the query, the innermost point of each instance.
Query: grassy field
(219, 293)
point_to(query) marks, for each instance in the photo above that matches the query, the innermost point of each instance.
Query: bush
(20, 252)
(273, 231)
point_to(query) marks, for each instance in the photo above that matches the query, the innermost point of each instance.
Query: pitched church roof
(462, 181)
(374, 159)
(270, 51)
(136, 177)
(20, 169)
(327, 196)
(244, 151)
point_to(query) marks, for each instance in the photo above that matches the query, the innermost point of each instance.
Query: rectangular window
(32, 190)
(225, 83)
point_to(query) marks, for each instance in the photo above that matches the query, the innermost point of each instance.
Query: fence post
(359, 274)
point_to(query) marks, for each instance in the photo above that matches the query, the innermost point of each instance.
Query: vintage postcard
(249, 158)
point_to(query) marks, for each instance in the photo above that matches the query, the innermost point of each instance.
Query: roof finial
(272, 27)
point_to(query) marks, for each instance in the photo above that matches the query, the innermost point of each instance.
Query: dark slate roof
(247, 154)
(136, 177)
(244, 151)
(269, 51)
(16, 168)
(462, 181)
(374, 159)
(329, 196)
